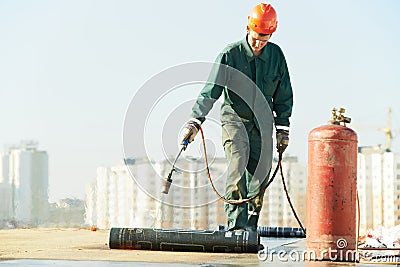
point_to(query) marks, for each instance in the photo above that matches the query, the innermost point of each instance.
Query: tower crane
(390, 133)
(388, 130)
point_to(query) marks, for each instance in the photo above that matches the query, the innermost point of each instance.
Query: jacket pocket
(270, 84)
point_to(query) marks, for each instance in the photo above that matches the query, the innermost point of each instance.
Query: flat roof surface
(81, 247)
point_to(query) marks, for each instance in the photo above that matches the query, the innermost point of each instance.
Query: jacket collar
(249, 53)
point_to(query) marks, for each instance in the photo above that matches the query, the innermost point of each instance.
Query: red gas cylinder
(331, 193)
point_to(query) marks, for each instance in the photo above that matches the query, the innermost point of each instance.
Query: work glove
(282, 140)
(192, 127)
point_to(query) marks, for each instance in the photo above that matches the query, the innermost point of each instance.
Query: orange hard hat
(262, 19)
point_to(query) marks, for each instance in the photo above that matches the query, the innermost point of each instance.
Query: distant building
(194, 204)
(5, 189)
(276, 210)
(116, 200)
(378, 180)
(24, 185)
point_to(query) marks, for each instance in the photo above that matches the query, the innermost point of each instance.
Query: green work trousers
(248, 172)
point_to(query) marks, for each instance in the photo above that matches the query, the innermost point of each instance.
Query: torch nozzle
(167, 183)
(165, 187)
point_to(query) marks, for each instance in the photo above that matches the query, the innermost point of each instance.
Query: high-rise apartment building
(116, 199)
(24, 185)
(378, 179)
(5, 189)
(194, 204)
(276, 210)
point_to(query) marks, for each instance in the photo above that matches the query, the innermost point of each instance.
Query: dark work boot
(252, 223)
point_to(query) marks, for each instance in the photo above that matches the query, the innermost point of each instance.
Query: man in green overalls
(246, 135)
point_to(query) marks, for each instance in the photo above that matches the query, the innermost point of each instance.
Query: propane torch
(167, 183)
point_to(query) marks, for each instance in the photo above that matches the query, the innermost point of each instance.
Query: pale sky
(69, 69)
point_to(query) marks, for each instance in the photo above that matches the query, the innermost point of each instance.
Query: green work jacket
(269, 73)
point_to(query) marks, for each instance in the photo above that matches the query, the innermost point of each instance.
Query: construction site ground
(82, 247)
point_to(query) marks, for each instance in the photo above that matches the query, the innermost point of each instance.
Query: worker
(263, 63)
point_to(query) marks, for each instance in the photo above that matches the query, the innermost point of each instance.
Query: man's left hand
(282, 140)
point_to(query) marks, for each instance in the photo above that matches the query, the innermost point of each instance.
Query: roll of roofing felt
(268, 231)
(184, 240)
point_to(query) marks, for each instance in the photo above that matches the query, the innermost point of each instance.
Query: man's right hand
(282, 140)
(192, 127)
